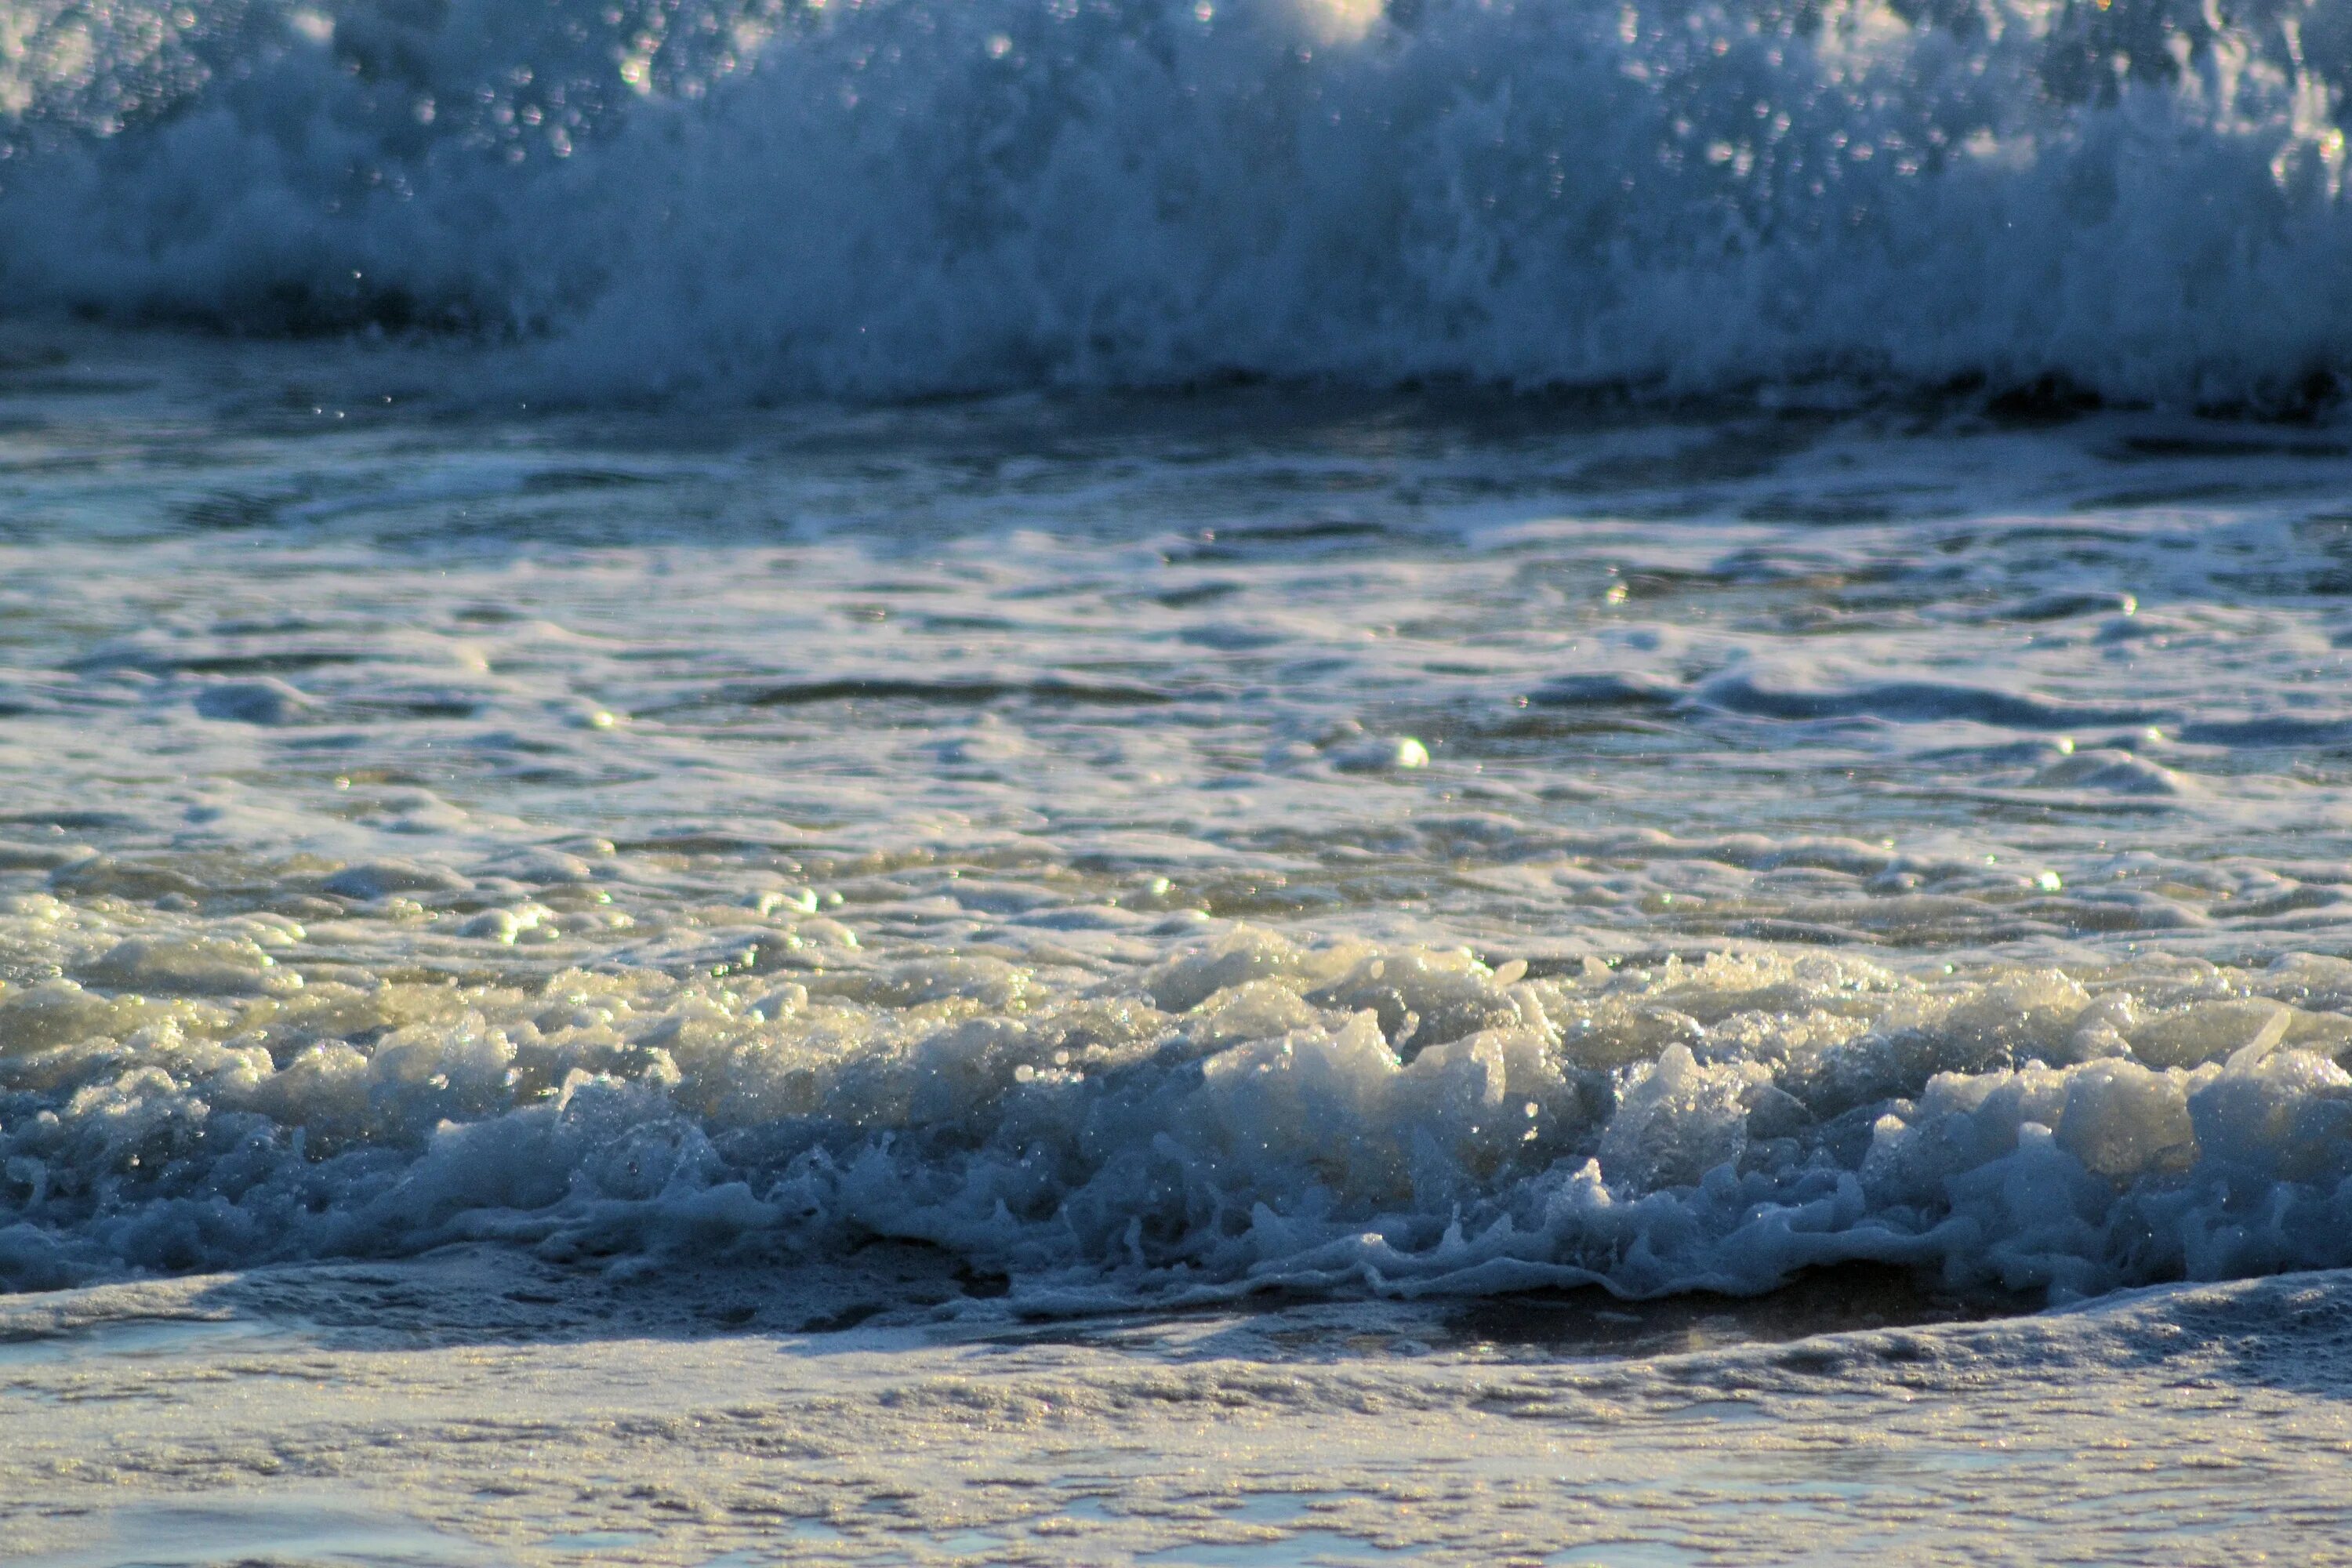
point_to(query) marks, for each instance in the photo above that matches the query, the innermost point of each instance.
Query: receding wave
(2132, 200)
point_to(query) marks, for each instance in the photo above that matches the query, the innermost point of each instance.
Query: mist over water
(2140, 200)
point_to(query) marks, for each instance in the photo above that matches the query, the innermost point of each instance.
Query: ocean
(1088, 781)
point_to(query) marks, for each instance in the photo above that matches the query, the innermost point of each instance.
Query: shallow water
(1082, 886)
(305, 1525)
(1581, 798)
(1164, 848)
(2181, 1425)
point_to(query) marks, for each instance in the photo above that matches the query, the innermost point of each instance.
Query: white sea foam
(772, 832)
(903, 196)
(1245, 1114)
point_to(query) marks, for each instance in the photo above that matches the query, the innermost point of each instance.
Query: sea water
(1249, 783)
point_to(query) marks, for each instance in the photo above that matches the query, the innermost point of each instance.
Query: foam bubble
(1251, 1110)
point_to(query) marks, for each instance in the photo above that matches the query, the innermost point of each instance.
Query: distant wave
(772, 197)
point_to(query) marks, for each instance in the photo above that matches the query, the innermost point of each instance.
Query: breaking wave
(2138, 199)
(1250, 1113)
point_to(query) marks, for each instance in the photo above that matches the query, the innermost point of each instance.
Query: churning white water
(940, 870)
(2140, 198)
(1597, 686)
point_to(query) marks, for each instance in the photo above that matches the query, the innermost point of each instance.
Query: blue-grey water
(1264, 782)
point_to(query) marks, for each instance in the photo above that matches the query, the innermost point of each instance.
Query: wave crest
(1248, 1114)
(902, 196)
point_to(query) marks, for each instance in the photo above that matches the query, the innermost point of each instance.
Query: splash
(2139, 200)
(1246, 1113)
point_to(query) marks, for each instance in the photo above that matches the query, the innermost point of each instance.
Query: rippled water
(1157, 848)
(1602, 684)
(670, 942)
